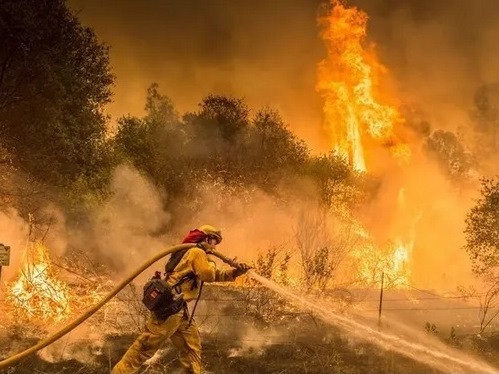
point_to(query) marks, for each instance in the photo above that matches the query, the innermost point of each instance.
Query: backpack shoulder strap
(176, 257)
(174, 260)
(172, 263)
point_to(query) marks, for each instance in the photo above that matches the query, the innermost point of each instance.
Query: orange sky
(267, 52)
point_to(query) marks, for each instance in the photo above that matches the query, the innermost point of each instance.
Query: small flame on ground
(393, 260)
(37, 294)
(401, 259)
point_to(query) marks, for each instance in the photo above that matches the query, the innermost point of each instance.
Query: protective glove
(240, 270)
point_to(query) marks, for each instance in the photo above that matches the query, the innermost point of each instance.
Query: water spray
(452, 360)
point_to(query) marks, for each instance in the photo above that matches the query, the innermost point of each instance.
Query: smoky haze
(263, 51)
(438, 52)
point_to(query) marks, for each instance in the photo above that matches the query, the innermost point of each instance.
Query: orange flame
(359, 119)
(37, 294)
(348, 82)
(393, 260)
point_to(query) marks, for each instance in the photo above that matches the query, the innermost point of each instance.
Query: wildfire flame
(348, 81)
(393, 260)
(400, 263)
(37, 294)
(358, 120)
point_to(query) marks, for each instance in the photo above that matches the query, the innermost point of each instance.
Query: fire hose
(92, 310)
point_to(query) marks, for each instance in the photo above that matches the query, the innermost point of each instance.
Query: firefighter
(187, 270)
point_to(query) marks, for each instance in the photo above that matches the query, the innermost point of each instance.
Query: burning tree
(392, 261)
(37, 294)
(364, 122)
(348, 80)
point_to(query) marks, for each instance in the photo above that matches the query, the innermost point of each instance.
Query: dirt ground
(241, 333)
(319, 355)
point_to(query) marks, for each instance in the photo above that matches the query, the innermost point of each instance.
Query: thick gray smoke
(127, 228)
(135, 223)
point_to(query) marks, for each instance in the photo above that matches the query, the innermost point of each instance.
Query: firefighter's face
(211, 240)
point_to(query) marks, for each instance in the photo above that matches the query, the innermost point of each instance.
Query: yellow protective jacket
(196, 261)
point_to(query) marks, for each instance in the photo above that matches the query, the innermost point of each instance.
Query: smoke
(265, 52)
(84, 345)
(253, 342)
(439, 52)
(436, 354)
(250, 220)
(135, 223)
(128, 227)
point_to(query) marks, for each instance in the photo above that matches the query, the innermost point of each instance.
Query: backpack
(162, 299)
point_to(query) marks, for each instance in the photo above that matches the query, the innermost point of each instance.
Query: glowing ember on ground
(37, 294)
(348, 82)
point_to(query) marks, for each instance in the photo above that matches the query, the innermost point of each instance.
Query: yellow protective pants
(176, 327)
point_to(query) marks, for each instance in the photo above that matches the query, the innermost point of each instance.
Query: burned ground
(236, 339)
